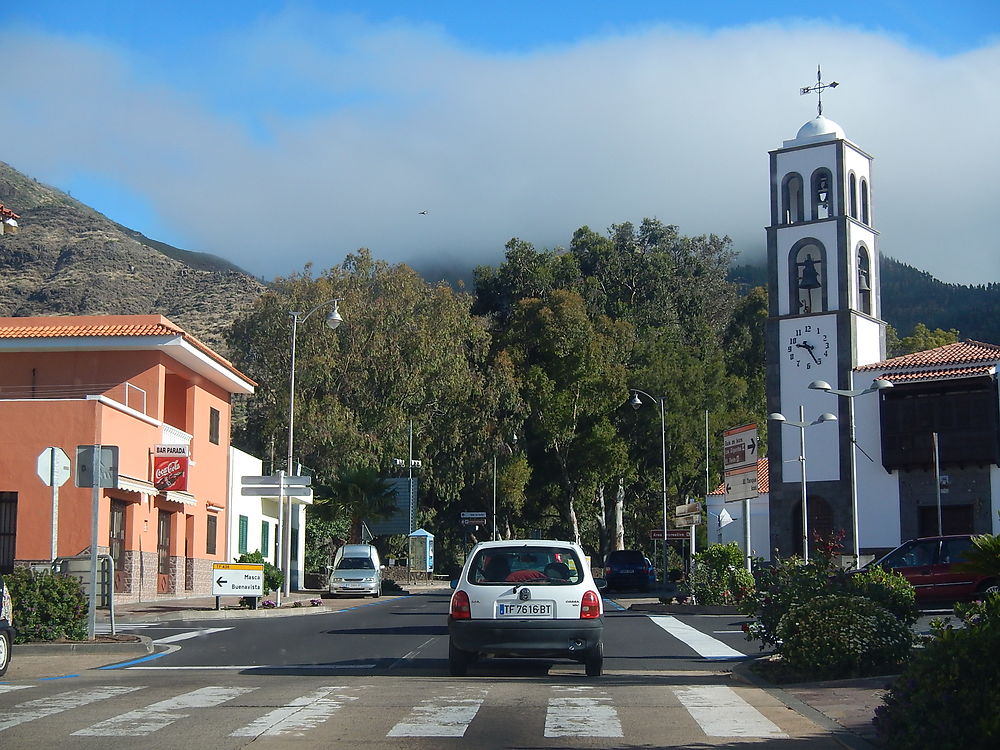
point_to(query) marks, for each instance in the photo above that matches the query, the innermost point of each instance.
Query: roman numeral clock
(823, 316)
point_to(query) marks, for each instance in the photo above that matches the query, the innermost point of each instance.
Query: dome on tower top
(820, 128)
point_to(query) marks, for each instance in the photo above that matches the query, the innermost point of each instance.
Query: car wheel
(4, 653)
(458, 660)
(989, 587)
(595, 661)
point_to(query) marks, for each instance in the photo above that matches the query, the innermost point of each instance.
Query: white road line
(445, 716)
(720, 712)
(241, 667)
(188, 635)
(10, 688)
(299, 716)
(574, 712)
(42, 707)
(155, 716)
(705, 645)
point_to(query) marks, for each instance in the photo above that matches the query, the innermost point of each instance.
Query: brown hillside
(67, 259)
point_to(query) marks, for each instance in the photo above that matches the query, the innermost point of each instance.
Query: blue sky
(276, 134)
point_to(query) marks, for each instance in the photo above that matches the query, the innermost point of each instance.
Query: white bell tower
(823, 317)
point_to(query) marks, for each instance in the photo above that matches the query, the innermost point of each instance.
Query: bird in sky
(422, 213)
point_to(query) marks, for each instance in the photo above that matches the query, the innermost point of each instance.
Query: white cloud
(349, 130)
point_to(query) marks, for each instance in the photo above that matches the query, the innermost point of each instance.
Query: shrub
(273, 578)
(720, 576)
(836, 635)
(47, 606)
(948, 693)
(886, 588)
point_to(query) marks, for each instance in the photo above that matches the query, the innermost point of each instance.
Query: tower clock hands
(809, 348)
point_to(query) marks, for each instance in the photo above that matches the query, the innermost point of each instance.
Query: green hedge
(47, 606)
(719, 575)
(948, 694)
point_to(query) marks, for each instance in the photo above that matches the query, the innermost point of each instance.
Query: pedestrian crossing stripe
(570, 711)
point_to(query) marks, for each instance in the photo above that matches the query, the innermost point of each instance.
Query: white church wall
(760, 530)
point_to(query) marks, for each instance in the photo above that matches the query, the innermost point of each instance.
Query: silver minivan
(356, 570)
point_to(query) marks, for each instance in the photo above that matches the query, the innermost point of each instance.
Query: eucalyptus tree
(406, 351)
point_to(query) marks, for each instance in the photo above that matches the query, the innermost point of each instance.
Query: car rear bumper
(368, 588)
(563, 638)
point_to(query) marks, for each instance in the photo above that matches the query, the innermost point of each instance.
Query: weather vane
(818, 88)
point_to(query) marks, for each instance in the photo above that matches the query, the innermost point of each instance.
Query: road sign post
(54, 470)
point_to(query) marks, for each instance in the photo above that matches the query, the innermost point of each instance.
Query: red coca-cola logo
(170, 474)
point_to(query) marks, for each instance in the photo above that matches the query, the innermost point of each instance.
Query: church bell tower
(824, 318)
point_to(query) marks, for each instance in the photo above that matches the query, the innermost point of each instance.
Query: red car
(929, 564)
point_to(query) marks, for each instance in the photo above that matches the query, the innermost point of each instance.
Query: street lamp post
(510, 447)
(850, 394)
(333, 320)
(802, 424)
(635, 402)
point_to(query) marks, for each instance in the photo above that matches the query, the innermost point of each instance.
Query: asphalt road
(376, 676)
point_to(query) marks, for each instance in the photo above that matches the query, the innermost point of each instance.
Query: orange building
(143, 384)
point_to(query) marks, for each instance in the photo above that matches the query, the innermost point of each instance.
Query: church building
(864, 445)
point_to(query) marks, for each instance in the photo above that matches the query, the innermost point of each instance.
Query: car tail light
(460, 609)
(590, 606)
(607, 572)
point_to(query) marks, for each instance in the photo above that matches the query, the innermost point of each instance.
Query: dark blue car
(627, 569)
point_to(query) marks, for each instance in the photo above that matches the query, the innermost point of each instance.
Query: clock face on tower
(807, 346)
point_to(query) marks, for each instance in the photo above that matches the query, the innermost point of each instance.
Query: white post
(55, 502)
(95, 506)
(746, 532)
(802, 463)
(855, 533)
(937, 480)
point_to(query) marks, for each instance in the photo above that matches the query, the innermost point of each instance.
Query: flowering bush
(316, 602)
(837, 635)
(786, 584)
(268, 604)
(720, 576)
(47, 606)
(948, 693)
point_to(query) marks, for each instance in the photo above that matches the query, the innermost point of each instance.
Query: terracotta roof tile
(959, 353)
(4, 211)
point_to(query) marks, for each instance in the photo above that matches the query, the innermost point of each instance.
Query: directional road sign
(739, 447)
(272, 491)
(672, 534)
(53, 464)
(685, 510)
(741, 484)
(273, 480)
(474, 518)
(237, 579)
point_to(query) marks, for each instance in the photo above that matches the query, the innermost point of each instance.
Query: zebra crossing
(250, 711)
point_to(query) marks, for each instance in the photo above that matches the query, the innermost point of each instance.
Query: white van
(356, 570)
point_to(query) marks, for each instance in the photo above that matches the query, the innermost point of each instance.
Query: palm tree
(362, 493)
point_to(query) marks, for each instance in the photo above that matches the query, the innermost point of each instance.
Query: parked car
(526, 598)
(356, 569)
(651, 570)
(6, 627)
(627, 569)
(929, 564)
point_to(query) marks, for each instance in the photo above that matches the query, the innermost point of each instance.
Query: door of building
(163, 585)
(116, 542)
(8, 530)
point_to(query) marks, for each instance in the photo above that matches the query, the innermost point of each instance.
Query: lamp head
(635, 402)
(333, 318)
(820, 385)
(826, 417)
(776, 417)
(880, 384)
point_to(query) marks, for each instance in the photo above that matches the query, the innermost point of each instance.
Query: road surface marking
(9, 688)
(155, 716)
(42, 707)
(446, 716)
(720, 712)
(299, 716)
(188, 635)
(705, 645)
(243, 667)
(575, 712)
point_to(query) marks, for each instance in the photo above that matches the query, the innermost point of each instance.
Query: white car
(519, 598)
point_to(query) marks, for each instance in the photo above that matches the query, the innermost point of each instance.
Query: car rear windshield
(547, 566)
(626, 557)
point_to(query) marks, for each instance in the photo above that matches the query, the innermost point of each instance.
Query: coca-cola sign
(170, 473)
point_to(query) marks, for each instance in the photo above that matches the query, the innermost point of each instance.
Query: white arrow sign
(237, 579)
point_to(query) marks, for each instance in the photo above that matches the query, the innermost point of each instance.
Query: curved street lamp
(802, 424)
(635, 402)
(879, 384)
(333, 319)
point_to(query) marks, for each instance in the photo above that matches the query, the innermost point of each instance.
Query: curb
(686, 609)
(123, 649)
(741, 672)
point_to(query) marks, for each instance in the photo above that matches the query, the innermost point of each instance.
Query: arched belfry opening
(792, 199)
(807, 268)
(822, 194)
(864, 280)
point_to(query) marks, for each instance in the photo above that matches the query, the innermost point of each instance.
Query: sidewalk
(843, 707)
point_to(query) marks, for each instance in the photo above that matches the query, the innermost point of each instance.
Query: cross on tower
(818, 88)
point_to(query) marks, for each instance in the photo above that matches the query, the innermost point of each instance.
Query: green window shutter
(244, 526)
(265, 531)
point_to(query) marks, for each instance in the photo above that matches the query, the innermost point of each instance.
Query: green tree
(362, 494)
(923, 339)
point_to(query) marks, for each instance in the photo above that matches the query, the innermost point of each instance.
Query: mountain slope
(68, 259)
